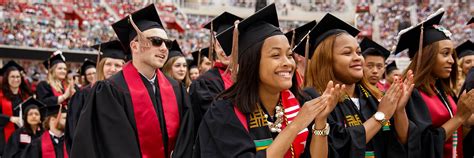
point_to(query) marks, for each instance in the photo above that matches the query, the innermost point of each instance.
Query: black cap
(370, 47)
(252, 30)
(222, 22)
(55, 59)
(112, 49)
(52, 110)
(390, 67)
(465, 49)
(197, 55)
(410, 38)
(299, 34)
(470, 21)
(328, 26)
(10, 65)
(86, 65)
(175, 50)
(145, 19)
(30, 103)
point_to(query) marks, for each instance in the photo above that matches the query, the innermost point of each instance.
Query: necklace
(276, 126)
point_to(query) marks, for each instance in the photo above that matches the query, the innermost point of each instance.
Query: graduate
(209, 84)
(299, 36)
(392, 72)
(465, 52)
(201, 60)
(52, 142)
(31, 129)
(193, 72)
(260, 115)
(138, 112)
(434, 108)
(13, 92)
(375, 56)
(176, 65)
(89, 72)
(363, 124)
(112, 57)
(56, 90)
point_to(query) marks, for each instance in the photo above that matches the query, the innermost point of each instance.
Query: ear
(134, 46)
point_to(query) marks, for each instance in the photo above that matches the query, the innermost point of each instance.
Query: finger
(328, 87)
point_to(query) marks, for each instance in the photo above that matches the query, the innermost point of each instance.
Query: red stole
(299, 79)
(57, 94)
(47, 147)
(291, 108)
(146, 119)
(440, 115)
(7, 109)
(226, 76)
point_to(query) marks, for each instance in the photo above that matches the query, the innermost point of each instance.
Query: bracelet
(321, 132)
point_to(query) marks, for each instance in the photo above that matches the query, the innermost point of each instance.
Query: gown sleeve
(222, 135)
(103, 129)
(12, 148)
(33, 150)
(202, 92)
(45, 94)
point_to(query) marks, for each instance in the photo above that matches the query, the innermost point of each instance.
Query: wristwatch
(380, 117)
(321, 132)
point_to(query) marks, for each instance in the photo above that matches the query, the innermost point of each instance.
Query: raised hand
(334, 94)
(389, 102)
(309, 111)
(466, 104)
(407, 88)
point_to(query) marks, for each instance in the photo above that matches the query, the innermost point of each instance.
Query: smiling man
(138, 111)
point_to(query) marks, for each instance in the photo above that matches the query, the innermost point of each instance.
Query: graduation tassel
(306, 58)
(211, 45)
(292, 44)
(98, 56)
(141, 38)
(59, 115)
(199, 58)
(420, 50)
(233, 66)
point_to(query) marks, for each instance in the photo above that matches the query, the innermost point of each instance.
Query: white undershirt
(152, 81)
(356, 102)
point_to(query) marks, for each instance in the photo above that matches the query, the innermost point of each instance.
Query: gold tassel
(306, 58)
(98, 56)
(211, 45)
(234, 65)
(199, 58)
(420, 51)
(141, 38)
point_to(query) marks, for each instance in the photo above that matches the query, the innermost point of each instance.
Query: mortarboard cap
(222, 22)
(86, 65)
(299, 34)
(10, 65)
(465, 49)
(410, 38)
(52, 110)
(256, 28)
(145, 19)
(30, 103)
(197, 55)
(329, 25)
(55, 59)
(112, 49)
(371, 47)
(175, 50)
(390, 67)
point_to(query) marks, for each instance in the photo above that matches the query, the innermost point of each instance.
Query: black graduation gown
(203, 90)
(425, 140)
(44, 93)
(34, 150)
(347, 134)
(14, 147)
(75, 107)
(4, 120)
(469, 144)
(221, 134)
(107, 127)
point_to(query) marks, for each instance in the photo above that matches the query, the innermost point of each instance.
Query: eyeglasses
(158, 41)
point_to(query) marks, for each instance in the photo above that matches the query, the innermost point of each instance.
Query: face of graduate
(374, 68)
(193, 73)
(206, 64)
(221, 56)
(154, 56)
(60, 71)
(277, 65)
(91, 75)
(348, 61)
(33, 117)
(14, 79)
(393, 74)
(444, 60)
(179, 69)
(467, 63)
(112, 66)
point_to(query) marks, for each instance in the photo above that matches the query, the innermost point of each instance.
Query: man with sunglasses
(138, 112)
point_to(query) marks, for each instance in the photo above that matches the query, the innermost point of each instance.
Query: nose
(450, 60)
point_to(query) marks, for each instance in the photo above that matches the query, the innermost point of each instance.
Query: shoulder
(212, 74)
(43, 84)
(220, 109)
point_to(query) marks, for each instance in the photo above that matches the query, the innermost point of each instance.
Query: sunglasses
(158, 41)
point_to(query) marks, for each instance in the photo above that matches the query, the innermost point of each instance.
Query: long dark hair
(24, 90)
(27, 126)
(244, 92)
